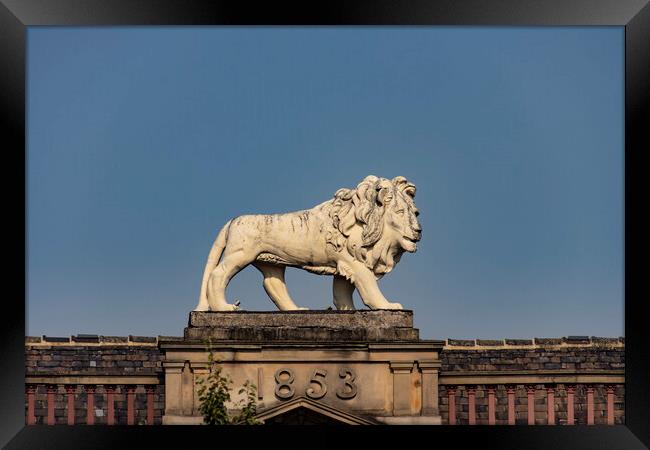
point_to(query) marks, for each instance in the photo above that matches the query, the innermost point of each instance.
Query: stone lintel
(530, 378)
(401, 366)
(92, 379)
(173, 364)
(429, 366)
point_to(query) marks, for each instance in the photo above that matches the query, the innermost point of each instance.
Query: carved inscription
(322, 390)
(317, 386)
(284, 385)
(349, 389)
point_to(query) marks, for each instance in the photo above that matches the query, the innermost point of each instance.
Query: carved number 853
(284, 388)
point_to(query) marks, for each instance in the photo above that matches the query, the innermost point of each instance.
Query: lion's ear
(399, 181)
(402, 184)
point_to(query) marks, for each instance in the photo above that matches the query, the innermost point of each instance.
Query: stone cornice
(532, 377)
(447, 344)
(535, 343)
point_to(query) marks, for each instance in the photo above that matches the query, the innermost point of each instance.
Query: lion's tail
(213, 259)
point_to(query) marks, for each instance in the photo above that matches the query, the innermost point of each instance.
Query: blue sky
(143, 142)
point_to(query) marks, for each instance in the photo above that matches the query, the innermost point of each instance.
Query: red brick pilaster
(51, 392)
(71, 390)
(570, 390)
(610, 404)
(110, 404)
(451, 396)
(90, 404)
(530, 390)
(491, 406)
(471, 400)
(150, 389)
(30, 389)
(550, 405)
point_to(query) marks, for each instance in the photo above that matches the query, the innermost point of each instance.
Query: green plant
(214, 393)
(248, 406)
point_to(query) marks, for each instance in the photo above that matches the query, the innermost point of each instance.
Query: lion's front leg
(364, 280)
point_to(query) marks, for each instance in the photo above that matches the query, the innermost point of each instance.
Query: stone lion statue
(358, 236)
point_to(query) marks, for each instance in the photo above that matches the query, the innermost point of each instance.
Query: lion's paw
(394, 306)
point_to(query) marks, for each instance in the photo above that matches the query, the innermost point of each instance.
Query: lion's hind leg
(343, 290)
(229, 266)
(275, 286)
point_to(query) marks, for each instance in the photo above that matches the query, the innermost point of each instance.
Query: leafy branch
(214, 394)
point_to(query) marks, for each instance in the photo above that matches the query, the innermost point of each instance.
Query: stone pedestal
(357, 367)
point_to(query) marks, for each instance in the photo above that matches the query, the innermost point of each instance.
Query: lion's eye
(400, 211)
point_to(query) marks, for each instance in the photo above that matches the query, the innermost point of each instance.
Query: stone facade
(370, 364)
(75, 365)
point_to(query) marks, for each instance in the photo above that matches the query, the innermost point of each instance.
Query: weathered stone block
(519, 342)
(304, 326)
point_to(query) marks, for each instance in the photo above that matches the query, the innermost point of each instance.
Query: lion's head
(376, 222)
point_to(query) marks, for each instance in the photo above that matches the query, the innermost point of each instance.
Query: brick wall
(107, 358)
(100, 406)
(560, 356)
(94, 358)
(563, 356)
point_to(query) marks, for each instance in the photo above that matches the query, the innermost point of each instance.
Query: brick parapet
(91, 340)
(550, 358)
(92, 360)
(563, 342)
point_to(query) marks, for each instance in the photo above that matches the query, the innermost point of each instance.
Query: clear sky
(143, 142)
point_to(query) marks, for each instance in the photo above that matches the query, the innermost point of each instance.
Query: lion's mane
(360, 208)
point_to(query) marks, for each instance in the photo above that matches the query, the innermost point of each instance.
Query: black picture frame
(634, 15)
